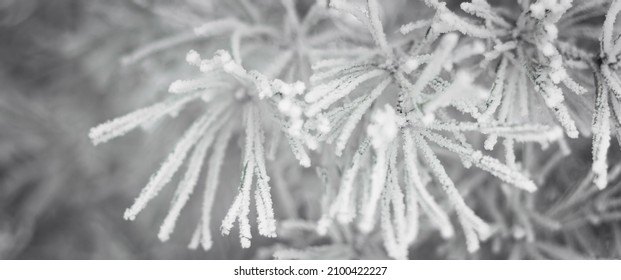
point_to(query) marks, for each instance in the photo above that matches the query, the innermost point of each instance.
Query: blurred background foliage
(61, 72)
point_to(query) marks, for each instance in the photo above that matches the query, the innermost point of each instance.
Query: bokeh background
(62, 72)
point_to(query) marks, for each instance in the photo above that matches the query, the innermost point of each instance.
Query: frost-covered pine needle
(173, 162)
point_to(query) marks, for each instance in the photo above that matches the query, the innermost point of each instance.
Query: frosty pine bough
(390, 110)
